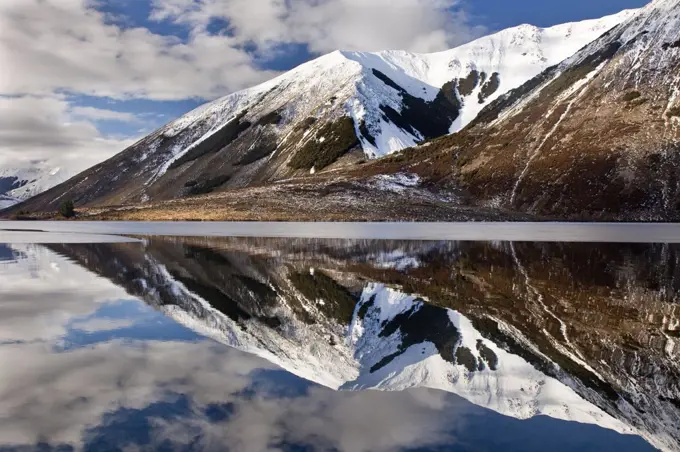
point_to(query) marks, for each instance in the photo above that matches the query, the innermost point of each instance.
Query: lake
(339, 337)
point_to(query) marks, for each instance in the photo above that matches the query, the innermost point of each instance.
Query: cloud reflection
(135, 389)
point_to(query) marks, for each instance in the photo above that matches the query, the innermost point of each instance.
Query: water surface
(251, 344)
(511, 231)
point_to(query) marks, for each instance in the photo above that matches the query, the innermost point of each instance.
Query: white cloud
(39, 128)
(327, 25)
(54, 46)
(86, 384)
(42, 51)
(103, 114)
(66, 291)
(51, 47)
(360, 422)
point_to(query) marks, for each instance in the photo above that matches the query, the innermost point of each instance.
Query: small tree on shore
(66, 209)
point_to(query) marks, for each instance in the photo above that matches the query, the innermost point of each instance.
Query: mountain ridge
(606, 113)
(293, 125)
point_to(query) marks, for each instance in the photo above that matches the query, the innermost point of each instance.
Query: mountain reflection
(540, 333)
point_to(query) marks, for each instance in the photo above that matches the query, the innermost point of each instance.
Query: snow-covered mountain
(20, 183)
(7, 201)
(596, 137)
(336, 110)
(480, 72)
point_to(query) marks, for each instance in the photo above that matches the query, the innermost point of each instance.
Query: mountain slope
(330, 112)
(596, 137)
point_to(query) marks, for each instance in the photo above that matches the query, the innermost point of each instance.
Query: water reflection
(474, 346)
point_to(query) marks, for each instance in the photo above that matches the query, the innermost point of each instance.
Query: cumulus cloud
(55, 48)
(42, 51)
(50, 45)
(41, 291)
(38, 128)
(359, 422)
(84, 384)
(92, 388)
(327, 25)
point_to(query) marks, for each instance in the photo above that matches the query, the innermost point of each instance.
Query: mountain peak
(593, 137)
(330, 112)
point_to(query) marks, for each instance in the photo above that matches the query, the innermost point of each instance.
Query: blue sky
(88, 78)
(499, 14)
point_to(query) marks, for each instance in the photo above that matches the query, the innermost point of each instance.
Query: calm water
(297, 344)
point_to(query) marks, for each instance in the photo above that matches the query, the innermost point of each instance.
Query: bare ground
(333, 201)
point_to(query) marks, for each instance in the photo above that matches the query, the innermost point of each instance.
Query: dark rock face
(330, 143)
(338, 302)
(215, 142)
(366, 133)
(468, 84)
(671, 45)
(422, 323)
(489, 88)
(429, 119)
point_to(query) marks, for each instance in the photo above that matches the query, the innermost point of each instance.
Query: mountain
(335, 111)
(587, 333)
(20, 183)
(596, 137)
(7, 201)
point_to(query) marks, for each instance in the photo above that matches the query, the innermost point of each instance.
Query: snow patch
(395, 182)
(397, 259)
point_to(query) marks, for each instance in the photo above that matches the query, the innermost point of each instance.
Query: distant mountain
(20, 183)
(6, 201)
(334, 111)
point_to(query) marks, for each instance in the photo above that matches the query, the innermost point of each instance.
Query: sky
(83, 79)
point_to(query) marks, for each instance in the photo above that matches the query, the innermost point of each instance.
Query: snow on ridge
(302, 351)
(517, 54)
(6, 202)
(659, 19)
(233, 102)
(497, 52)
